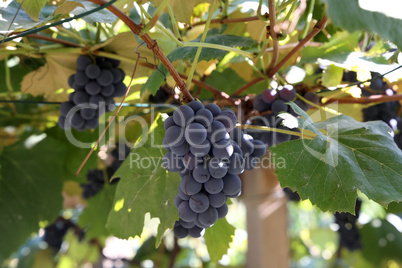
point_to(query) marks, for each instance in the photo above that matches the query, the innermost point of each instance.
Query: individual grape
(183, 115)
(196, 232)
(287, 93)
(80, 78)
(195, 105)
(236, 134)
(78, 87)
(105, 78)
(77, 121)
(228, 119)
(88, 113)
(186, 224)
(269, 95)
(213, 108)
(66, 107)
(227, 110)
(199, 224)
(96, 99)
(92, 71)
(279, 106)
(186, 212)
(180, 150)
(107, 91)
(236, 164)
(110, 105)
(222, 149)
(171, 162)
(182, 195)
(177, 201)
(180, 232)
(201, 149)
(231, 184)
(234, 195)
(168, 122)
(259, 148)
(260, 105)
(222, 211)
(80, 97)
(190, 161)
(217, 168)
(118, 75)
(174, 136)
(120, 89)
(195, 134)
(190, 186)
(70, 80)
(217, 200)
(83, 61)
(208, 217)
(246, 144)
(216, 132)
(236, 148)
(92, 88)
(201, 173)
(199, 203)
(92, 123)
(213, 186)
(204, 117)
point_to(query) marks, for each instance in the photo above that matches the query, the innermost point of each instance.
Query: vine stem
(53, 40)
(272, 33)
(204, 35)
(174, 23)
(152, 45)
(272, 129)
(309, 17)
(317, 28)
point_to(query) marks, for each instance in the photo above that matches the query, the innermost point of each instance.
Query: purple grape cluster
(209, 153)
(96, 83)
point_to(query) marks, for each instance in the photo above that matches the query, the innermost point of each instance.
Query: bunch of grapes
(349, 236)
(209, 152)
(96, 177)
(163, 94)
(55, 232)
(96, 83)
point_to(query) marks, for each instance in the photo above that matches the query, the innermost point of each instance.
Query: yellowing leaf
(67, 7)
(51, 77)
(33, 7)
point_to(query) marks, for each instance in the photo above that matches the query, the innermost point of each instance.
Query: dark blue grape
(80, 78)
(195, 134)
(105, 78)
(201, 173)
(279, 106)
(83, 61)
(260, 105)
(213, 186)
(287, 93)
(120, 89)
(222, 211)
(80, 97)
(269, 95)
(118, 75)
(180, 231)
(92, 71)
(217, 168)
(107, 91)
(183, 115)
(195, 105)
(199, 203)
(70, 80)
(204, 117)
(208, 217)
(217, 200)
(213, 108)
(92, 88)
(231, 184)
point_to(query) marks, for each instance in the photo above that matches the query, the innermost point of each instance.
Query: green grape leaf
(355, 15)
(67, 7)
(144, 186)
(30, 188)
(188, 53)
(218, 238)
(33, 7)
(95, 214)
(332, 76)
(385, 242)
(330, 168)
(182, 10)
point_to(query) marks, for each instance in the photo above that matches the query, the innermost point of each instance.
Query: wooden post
(267, 225)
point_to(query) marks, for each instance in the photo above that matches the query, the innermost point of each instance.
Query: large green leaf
(145, 186)
(30, 188)
(95, 214)
(352, 156)
(188, 53)
(217, 239)
(383, 18)
(33, 7)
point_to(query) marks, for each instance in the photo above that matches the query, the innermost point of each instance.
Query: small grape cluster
(55, 232)
(209, 152)
(96, 84)
(96, 177)
(272, 102)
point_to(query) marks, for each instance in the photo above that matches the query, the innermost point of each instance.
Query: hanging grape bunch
(272, 102)
(96, 83)
(209, 152)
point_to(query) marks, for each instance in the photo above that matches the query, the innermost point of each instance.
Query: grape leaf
(145, 186)
(103, 15)
(182, 10)
(188, 53)
(330, 168)
(356, 15)
(50, 78)
(96, 212)
(332, 76)
(30, 188)
(217, 239)
(67, 7)
(33, 7)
